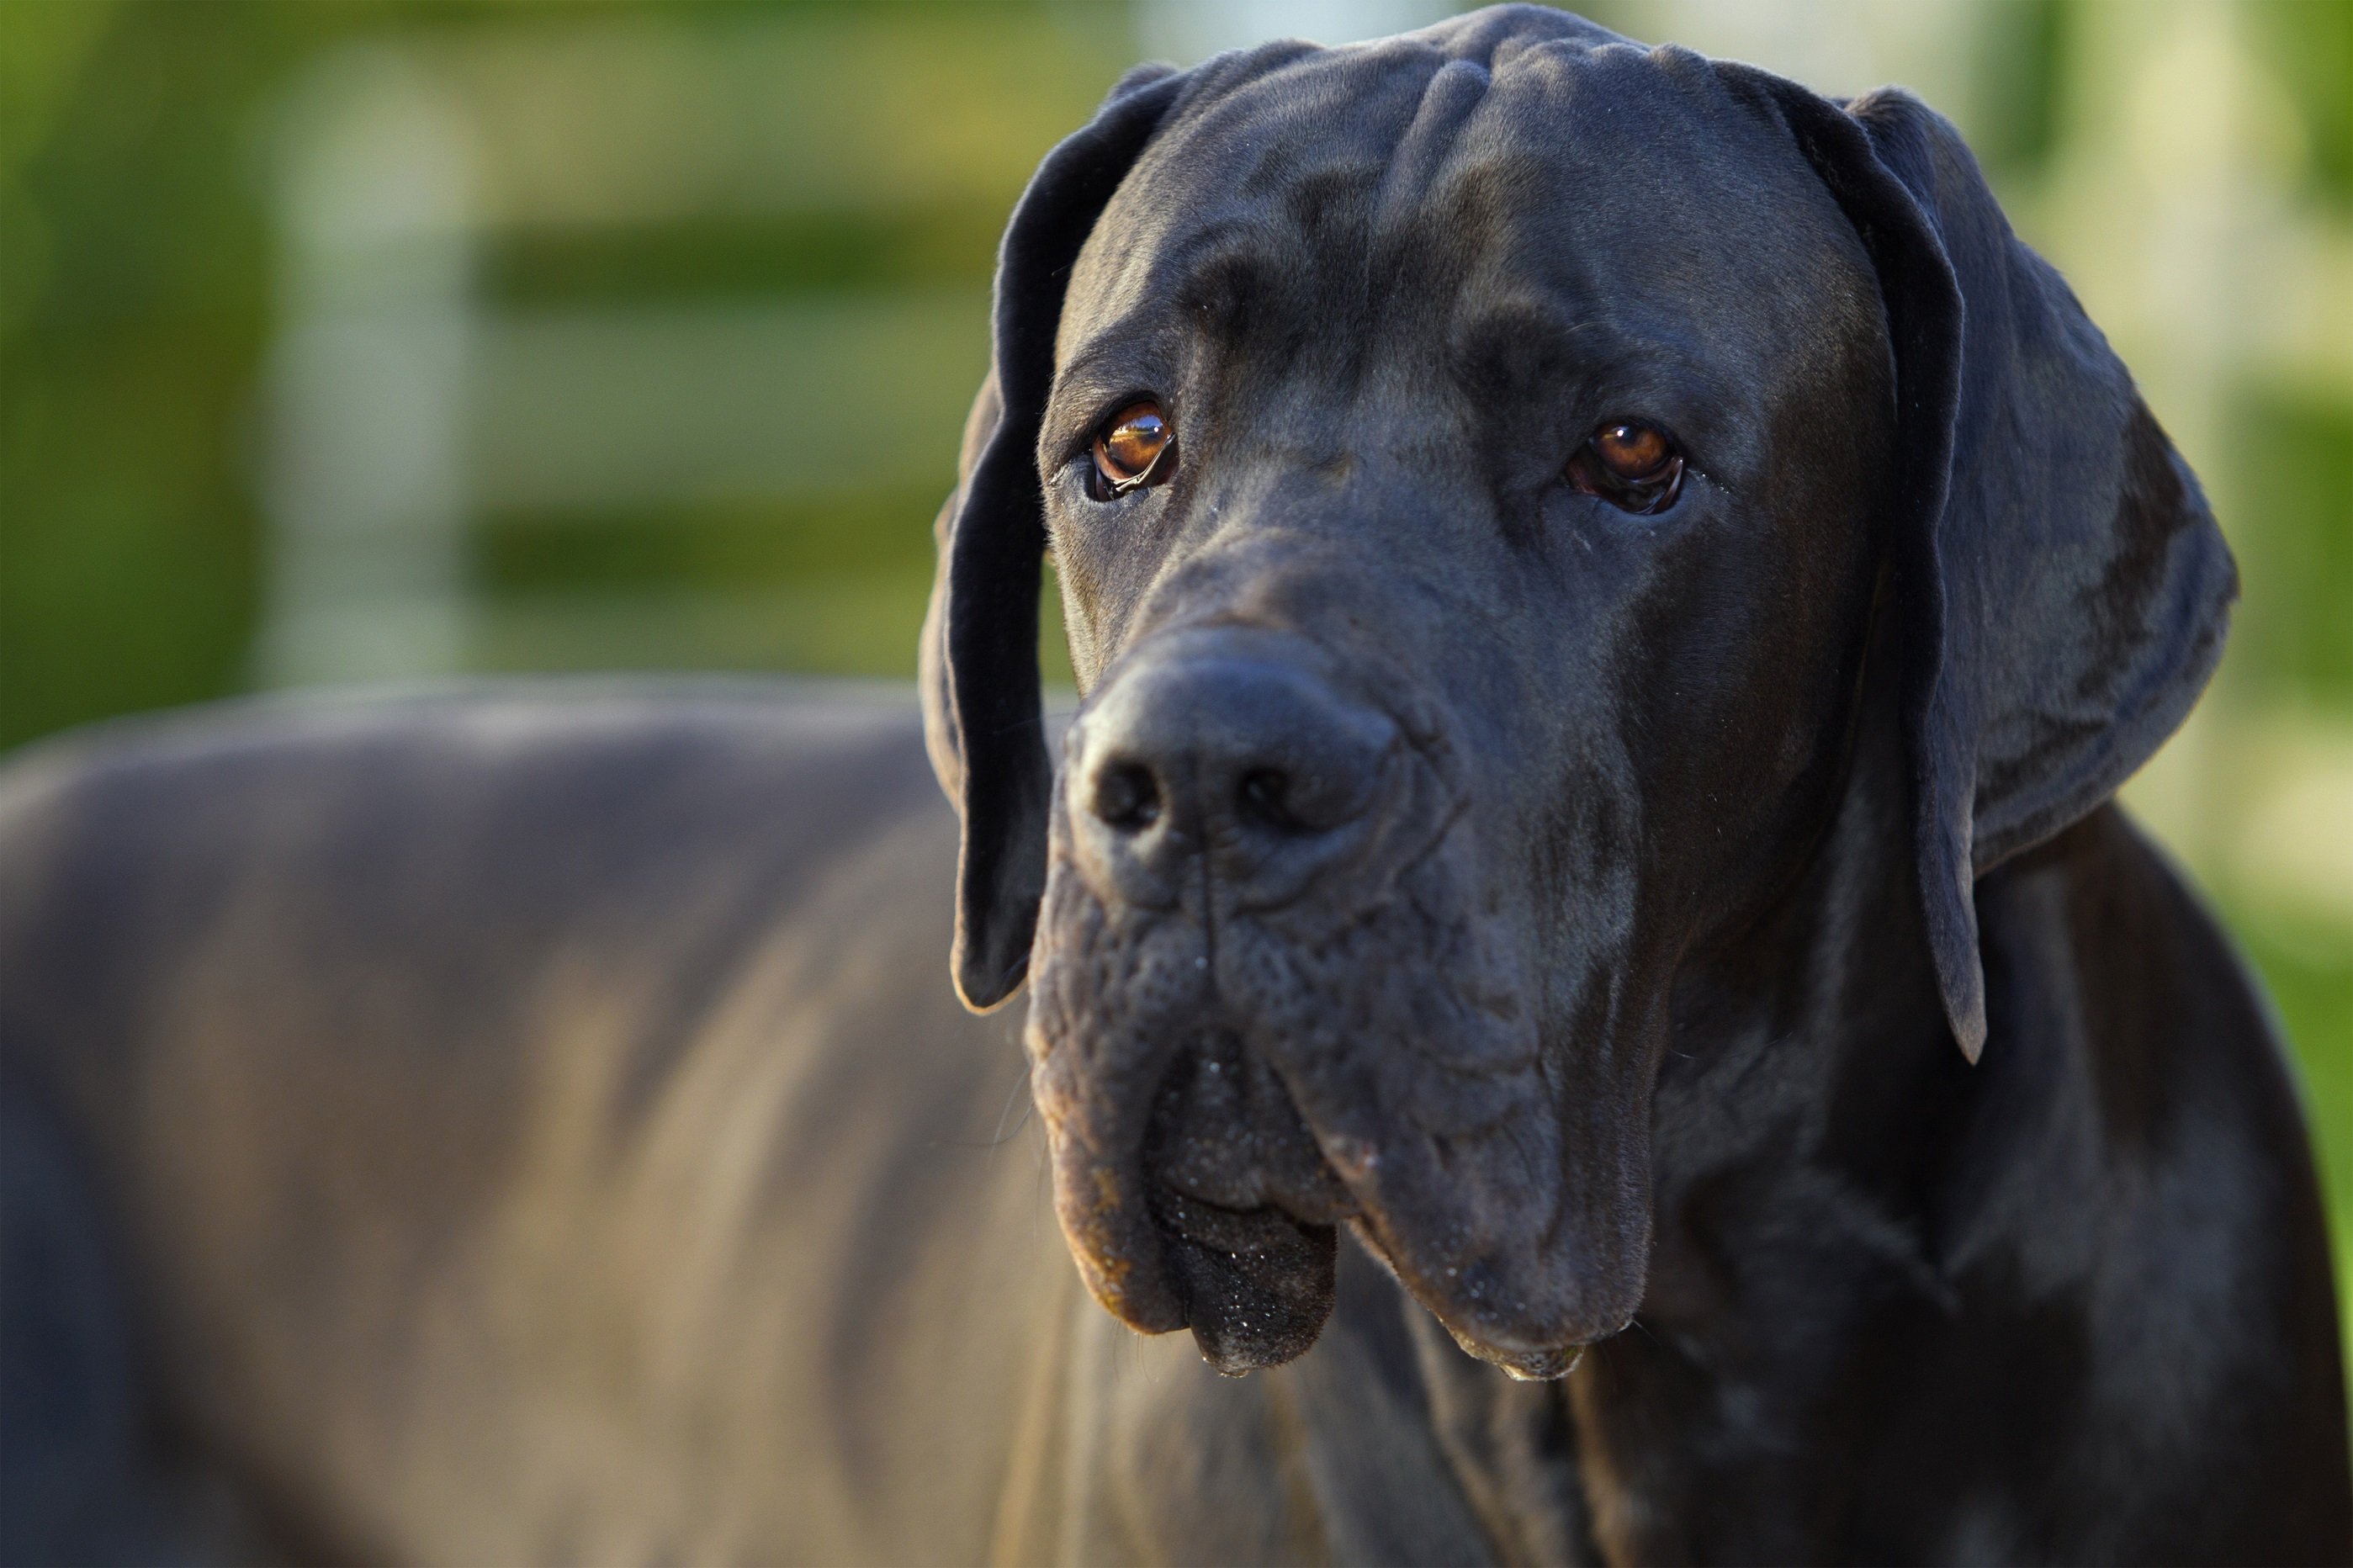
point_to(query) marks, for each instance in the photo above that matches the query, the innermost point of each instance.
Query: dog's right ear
(2065, 590)
(983, 715)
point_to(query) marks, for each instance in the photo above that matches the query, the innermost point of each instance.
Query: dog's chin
(1479, 1333)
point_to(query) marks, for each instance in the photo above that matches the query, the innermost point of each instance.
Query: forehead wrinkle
(1275, 255)
(1428, 144)
(1320, 123)
(1215, 280)
(1306, 159)
(1469, 175)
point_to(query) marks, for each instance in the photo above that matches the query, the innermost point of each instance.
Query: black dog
(1611, 595)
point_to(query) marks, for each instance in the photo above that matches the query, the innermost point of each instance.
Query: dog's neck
(1808, 1069)
(1802, 1127)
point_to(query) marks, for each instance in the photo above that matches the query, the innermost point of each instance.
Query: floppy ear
(983, 720)
(2064, 589)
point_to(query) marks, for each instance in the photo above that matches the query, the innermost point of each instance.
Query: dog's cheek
(1073, 970)
(1111, 990)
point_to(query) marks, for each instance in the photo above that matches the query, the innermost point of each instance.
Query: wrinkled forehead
(1604, 189)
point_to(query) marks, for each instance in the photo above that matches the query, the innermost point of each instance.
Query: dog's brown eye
(1631, 452)
(1133, 449)
(1630, 465)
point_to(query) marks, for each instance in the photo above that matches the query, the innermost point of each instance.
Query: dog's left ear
(2063, 587)
(983, 719)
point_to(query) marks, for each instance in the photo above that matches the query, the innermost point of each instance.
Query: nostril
(1126, 797)
(1264, 797)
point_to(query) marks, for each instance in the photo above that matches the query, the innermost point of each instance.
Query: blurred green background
(362, 340)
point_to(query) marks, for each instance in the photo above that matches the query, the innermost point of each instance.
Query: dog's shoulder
(2102, 941)
(2140, 1167)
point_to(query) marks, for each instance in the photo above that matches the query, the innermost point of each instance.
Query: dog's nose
(1226, 747)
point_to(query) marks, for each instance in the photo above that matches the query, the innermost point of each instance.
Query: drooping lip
(1257, 1285)
(1244, 1202)
(1516, 1269)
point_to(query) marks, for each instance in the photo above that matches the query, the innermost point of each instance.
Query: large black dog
(1611, 595)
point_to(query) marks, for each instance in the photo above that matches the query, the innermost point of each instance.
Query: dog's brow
(1110, 368)
(1532, 350)
(1218, 283)
(1517, 349)
(1113, 357)
(1221, 286)
(1217, 276)
(1104, 364)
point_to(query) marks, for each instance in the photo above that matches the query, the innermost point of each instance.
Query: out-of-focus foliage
(2310, 43)
(133, 293)
(2293, 633)
(142, 286)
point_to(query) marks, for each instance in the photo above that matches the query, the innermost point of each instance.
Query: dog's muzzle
(1214, 779)
(1273, 993)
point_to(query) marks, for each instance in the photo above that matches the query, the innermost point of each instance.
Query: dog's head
(1475, 463)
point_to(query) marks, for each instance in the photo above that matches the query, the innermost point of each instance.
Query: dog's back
(519, 1117)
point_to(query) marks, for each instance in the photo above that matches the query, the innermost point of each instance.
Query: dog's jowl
(1578, 935)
